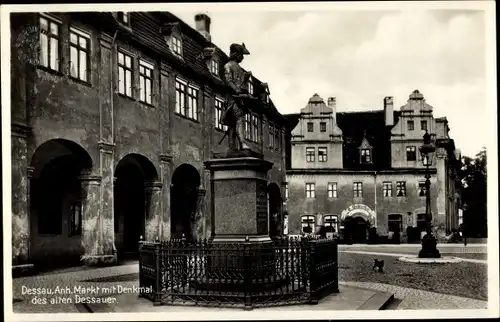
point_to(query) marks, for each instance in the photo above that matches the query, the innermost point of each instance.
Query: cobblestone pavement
(459, 255)
(127, 278)
(23, 302)
(414, 248)
(414, 299)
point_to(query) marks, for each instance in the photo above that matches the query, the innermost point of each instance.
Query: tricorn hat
(237, 48)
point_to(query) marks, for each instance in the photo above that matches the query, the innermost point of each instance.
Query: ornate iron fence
(283, 272)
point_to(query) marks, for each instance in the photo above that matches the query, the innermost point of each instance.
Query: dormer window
(365, 151)
(214, 67)
(123, 17)
(366, 156)
(176, 45)
(173, 37)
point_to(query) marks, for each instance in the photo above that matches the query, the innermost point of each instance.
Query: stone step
(379, 301)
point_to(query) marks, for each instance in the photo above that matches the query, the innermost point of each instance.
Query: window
(266, 97)
(186, 100)
(310, 154)
(271, 135)
(322, 126)
(310, 127)
(286, 191)
(176, 45)
(251, 127)
(49, 44)
(307, 224)
(411, 153)
(401, 189)
(123, 17)
(79, 55)
(332, 190)
(387, 188)
(180, 97)
(423, 125)
(248, 126)
(192, 103)
(146, 81)
(250, 86)
(277, 138)
(214, 67)
(365, 156)
(76, 219)
(421, 222)
(421, 189)
(331, 223)
(395, 223)
(125, 74)
(358, 189)
(255, 128)
(310, 192)
(411, 125)
(322, 154)
(219, 108)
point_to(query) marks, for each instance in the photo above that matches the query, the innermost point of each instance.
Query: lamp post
(429, 243)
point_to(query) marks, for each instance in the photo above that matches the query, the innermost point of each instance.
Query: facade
(113, 115)
(351, 172)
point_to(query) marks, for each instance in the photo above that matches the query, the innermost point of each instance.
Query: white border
(490, 34)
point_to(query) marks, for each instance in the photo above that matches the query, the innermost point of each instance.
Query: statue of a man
(237, 99)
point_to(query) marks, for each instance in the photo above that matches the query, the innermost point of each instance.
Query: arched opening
(275, 202)
(56, 199)
(131, 203)
(356, 229)
(183, 200)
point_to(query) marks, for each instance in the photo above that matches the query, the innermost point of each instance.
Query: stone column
(165, 177)
(107, 196)
(20, 191)
(207, 220)
(153, 210)
(92, 224)
(199, 220)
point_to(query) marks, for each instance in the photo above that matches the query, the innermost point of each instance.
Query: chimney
(389, 111)
(332, 103)
(203, 25)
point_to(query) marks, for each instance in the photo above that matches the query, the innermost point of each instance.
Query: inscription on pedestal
(261, 202)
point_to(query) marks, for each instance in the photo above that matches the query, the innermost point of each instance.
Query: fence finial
(141, 238)
(247, 239)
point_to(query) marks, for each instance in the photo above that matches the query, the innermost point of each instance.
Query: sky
(361, 56)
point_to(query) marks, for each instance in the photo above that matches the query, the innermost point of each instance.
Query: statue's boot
(240, 128)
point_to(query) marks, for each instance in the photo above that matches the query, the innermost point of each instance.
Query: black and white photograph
(194, 161)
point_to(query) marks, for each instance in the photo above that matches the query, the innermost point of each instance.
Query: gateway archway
(183, 200)
(275, 214)
(131, 202)
(357, 219)
(56, 199)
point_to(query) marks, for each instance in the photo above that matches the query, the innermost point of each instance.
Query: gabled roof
(356, 126)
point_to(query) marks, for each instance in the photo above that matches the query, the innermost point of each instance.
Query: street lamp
(429, 243)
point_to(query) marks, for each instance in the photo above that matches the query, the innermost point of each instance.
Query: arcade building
(360, 175)
(113, 115)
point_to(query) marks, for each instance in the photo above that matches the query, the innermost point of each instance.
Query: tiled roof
(146, 27)
(354, 126)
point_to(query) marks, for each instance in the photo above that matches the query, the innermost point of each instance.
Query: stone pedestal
(239, 199)
(239, 217)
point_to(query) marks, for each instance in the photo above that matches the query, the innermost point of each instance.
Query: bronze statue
(237, 99)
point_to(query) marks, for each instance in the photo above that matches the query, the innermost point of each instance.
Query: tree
(473, 177)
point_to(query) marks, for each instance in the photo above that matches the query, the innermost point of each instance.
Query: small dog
(379, 264)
